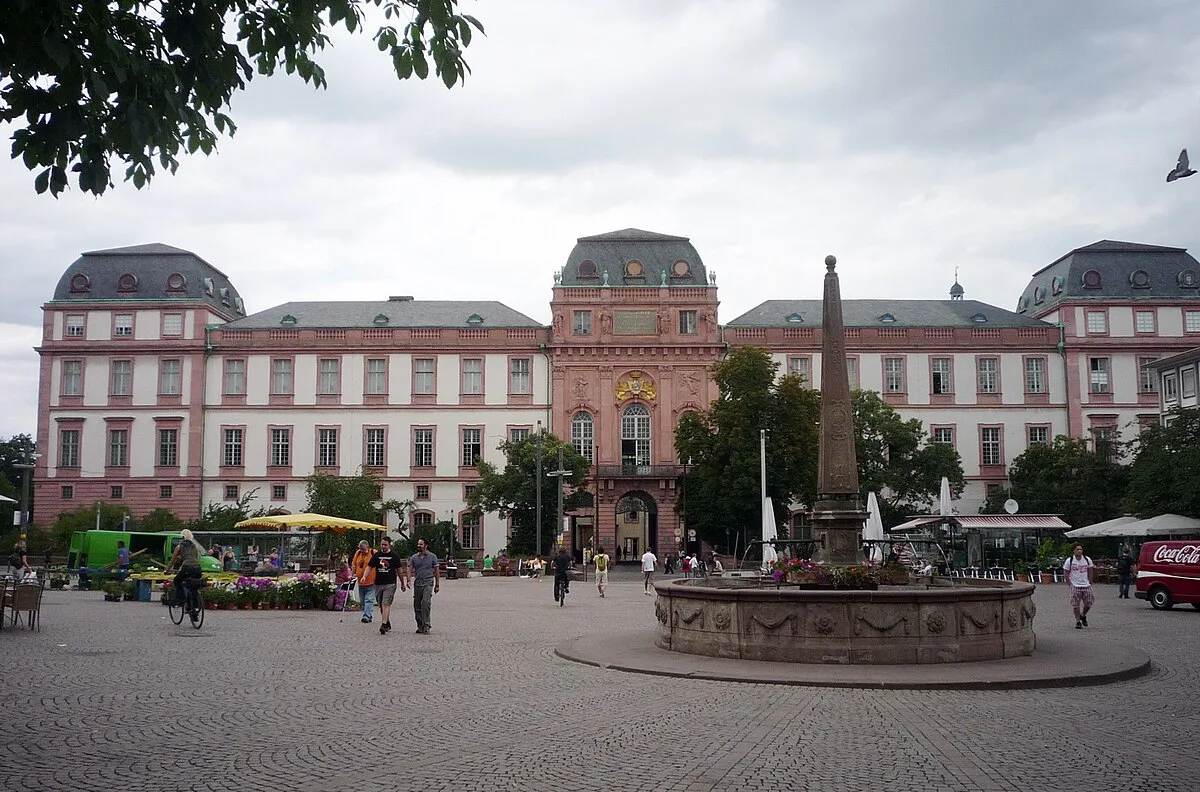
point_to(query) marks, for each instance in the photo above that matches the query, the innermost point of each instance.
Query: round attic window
(1057, 283)
(587, 269)
(80, 283)
(1091, 279)
(1140, 279)
(1039, 295)
(127, 282)
(176, 282)
(681, 269)
(634, 269)
(1188, 280)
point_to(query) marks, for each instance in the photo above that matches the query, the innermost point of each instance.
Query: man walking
(426, 581)
(649, 564)
(1079, 575)
(600, 559)
(1124, 573)
(385, 563)
(365, 574)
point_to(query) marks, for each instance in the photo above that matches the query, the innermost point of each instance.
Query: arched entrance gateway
(636, 516)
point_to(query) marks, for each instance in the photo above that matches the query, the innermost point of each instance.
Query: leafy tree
(163, 520)
(222, 517)
(512, 492)
(90, 81)
(1064, 477)
(112, 516)
(440, 537)
(16, 450)
(1166, 469)
(350, 497)
(897, 461)
(723, 489)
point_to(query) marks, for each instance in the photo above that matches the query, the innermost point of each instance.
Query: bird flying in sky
(1181, 168)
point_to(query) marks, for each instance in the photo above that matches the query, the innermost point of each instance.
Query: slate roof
(1117, 264)
(153, 266)
(868, 313)
(611, 252)
(400, 313)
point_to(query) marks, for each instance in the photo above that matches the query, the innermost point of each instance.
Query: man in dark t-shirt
(386, 563)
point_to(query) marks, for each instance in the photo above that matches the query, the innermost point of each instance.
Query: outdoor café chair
(27, 599)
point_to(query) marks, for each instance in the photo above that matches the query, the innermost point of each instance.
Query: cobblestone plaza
(113, 696)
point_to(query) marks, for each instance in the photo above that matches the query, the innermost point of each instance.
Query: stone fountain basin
(938, 620)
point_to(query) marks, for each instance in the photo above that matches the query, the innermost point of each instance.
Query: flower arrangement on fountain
(799, 570)
(853, 577)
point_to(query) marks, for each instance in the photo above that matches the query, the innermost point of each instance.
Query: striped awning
(988, 522)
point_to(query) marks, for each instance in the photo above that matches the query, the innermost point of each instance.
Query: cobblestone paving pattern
(115, 697)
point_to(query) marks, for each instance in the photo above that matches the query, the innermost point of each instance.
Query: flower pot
(802, 578)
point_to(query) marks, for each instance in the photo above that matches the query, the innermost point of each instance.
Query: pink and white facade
(158, 390)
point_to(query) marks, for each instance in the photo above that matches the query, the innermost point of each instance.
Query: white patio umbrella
(1106, 528)
(873, 527)
(770, 532)
(944, 508)
(4, 499)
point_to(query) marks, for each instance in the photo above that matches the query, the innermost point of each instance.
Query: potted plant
(893, 573)
(1021, 570)
(58, 581)
(113, 590)
(857, 578)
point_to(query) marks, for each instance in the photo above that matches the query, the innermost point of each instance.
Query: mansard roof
(885, 313)
(404, 312)
(633, 257)
(153, 272)
(1113, 270)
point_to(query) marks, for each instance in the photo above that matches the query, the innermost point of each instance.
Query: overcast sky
(908, 138)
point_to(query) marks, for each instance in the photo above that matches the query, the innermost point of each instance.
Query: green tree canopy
(221, 517)
(18, 449)
(91, 81)
(350, 497)
(1165, 474)
(161, 520)
(112, 515)
(1064, 477)
(512, 492)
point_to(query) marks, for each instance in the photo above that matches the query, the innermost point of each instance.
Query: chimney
(400, 298)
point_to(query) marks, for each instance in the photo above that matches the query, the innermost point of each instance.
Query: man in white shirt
(649, 564)
(1079, 576)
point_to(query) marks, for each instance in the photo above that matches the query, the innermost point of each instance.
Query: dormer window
(1057, 283)
(887, 318)
(224, 292)
(475, 319)
(1091, 280)
(209, 286)
(239, 305)
(1188, 280)
(1039, 295)
(287, 319)
(1140, 279)
(681, 269)
(1023, 305)
(127, 283)
(380, 319)
(634, 269)
(587, 269)
(176, 282)
(978, 318)
(80, 283)
(794, 318)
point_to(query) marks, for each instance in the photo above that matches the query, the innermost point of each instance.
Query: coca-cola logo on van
(1187, 554)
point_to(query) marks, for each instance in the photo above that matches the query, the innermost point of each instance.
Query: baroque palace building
(157, 389)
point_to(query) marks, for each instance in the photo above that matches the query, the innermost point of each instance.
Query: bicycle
(560, 591)
(193, 603)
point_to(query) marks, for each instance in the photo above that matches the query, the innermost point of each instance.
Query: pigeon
(1181, 169)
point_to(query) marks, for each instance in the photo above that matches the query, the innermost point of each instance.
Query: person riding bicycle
(562, 572)
(187, 558)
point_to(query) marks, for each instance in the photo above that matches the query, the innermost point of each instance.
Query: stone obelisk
(838, 516)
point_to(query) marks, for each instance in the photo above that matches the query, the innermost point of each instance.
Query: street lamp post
(560, 474)
(23, 521)
(538, 488)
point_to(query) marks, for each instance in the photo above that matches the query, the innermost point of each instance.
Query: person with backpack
(600, 559)
(1124, 573)
(1079, 570)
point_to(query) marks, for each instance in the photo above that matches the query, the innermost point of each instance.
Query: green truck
(98, 549)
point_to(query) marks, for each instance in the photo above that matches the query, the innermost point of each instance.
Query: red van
(1169, 572)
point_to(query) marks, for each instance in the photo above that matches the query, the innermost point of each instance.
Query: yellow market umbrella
(313, 522)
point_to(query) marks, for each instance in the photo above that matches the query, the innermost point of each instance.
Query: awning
(1111, 527)
(313, 522)
(988, 522)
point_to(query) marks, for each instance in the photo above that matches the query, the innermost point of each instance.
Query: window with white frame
(116, 492)
(165, 491)
(376, 451)
(169, 378)
(989, 445)
(235, 377)
(472, 537)
(635, 436)
(279, 492)
(687, 323)
(281, 377)
(1035, 375)
(583, 435)
(1102, 438)
(472, 376)
(1038, 435)
(519, 433)
(1144, 322)
(331, 377)
(989, 375)
(852, 372)
(72, 378)
(422, 448)
(519, 377)
(67, 492)
(1097, 322)
(68, 448)
(168, 447)
(123, 325)
(422, 518)
(1187, 383)
(118, 447)
(943, 435)
(376, 376)
(172, 324)
(581, 322)
(74, 326)
(281, 447)
(1170, 388)
(1148, 377)
(121, 380)
(232, 447)
(423, 376)
(800, 367)
(231, 492)
(1099, 374)
(327, 447)
(893, 375)
(941, 370)
(1191, 321)
(472, 446)
(420, 492)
